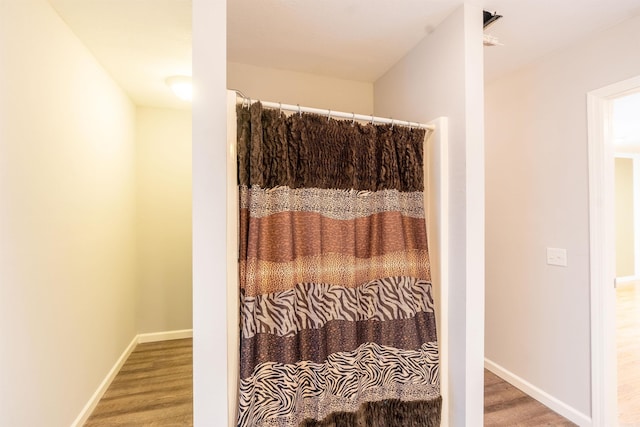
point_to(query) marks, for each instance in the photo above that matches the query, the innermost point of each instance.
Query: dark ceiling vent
(489, 18)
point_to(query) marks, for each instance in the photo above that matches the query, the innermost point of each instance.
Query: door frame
(604, 380)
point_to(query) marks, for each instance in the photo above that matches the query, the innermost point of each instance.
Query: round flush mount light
(181, 86)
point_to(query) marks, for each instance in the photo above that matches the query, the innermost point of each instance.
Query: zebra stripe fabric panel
(283, 395)
(337, 316)
(315, 345)
(312, 305)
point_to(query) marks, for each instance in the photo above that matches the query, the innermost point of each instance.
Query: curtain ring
(329, 116)
(353, 121)
(299, 110)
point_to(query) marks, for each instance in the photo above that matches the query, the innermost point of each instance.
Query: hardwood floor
(628, 342)
(505, 405)
(153, 388)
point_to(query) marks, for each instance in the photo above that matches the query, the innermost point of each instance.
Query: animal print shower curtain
(337, 321)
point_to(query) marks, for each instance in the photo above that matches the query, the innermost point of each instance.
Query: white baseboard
(627, 279)
(541, 396)
(165, 336)
(104, 385)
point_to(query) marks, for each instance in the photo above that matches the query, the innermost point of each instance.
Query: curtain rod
(335, 114)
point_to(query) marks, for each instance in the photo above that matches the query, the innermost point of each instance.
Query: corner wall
(442, 76)
(163, 225)
(538, 316)
(67, 232)
(209, 214)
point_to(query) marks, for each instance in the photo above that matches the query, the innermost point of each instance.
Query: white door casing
(604, 405)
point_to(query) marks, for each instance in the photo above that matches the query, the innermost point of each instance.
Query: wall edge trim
(538, 394)
(165, 336)
(104, 385)
(627, 279)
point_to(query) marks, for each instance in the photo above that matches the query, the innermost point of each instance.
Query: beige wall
(538, 316)
(625, 242)
(67, 239)
(442, 76)
(163, 172)
(290, 87)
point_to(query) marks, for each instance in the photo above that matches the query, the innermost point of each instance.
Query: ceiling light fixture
(488, 19)
(181, 86)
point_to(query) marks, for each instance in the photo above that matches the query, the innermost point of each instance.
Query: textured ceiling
(141, 42)
(361, 40)
(350, 39)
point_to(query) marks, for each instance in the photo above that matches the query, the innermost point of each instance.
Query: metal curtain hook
(353, 121)
(372, 119)
(299, 111)
(329, 116)
(392, 123)
(279, 108)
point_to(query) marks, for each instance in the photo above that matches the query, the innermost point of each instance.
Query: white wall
(163, 179)
(442, 76)
(537, 322)
(67, 272)
(310, 90)
(209, 214)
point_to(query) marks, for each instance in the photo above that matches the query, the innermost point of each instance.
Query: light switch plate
(557, 256)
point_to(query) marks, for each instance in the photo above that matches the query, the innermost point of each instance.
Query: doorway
(626, 141)
(604, 375)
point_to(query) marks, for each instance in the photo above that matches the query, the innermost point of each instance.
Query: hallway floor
(154, 387)
(505, 405)
(628, 341)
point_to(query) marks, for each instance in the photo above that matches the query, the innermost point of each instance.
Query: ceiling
(361, 40)
(141, 42)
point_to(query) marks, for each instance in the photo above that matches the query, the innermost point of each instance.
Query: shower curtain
(337, 323)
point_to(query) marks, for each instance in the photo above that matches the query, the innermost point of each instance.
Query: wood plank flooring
(628, 343)
(153, 388)
(505, 405)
